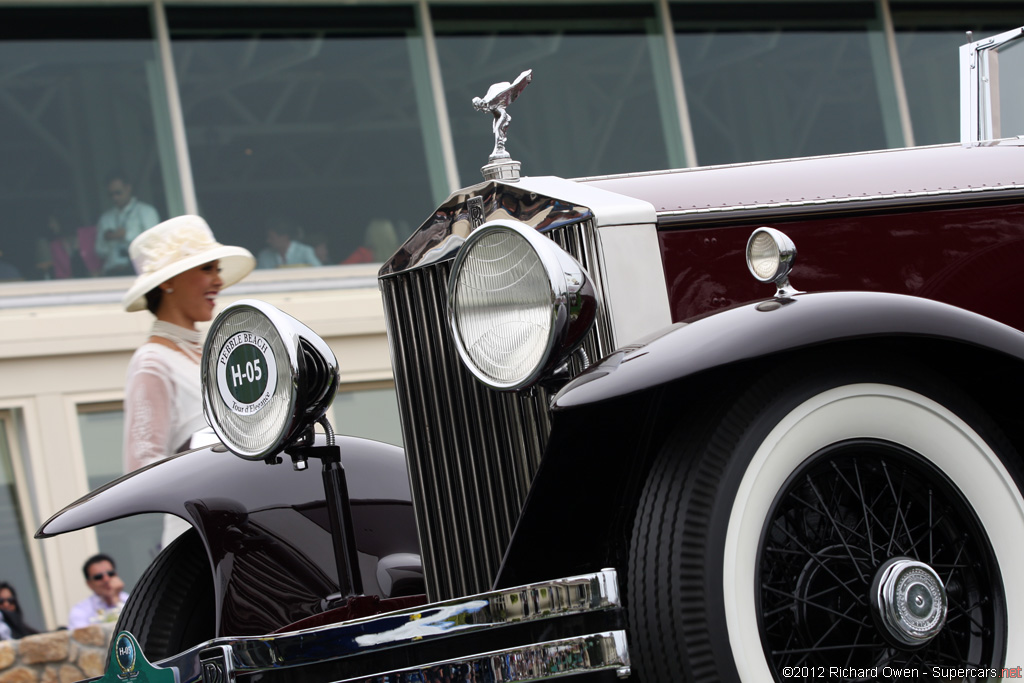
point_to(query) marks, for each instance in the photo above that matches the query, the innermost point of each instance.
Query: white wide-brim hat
(177, 245)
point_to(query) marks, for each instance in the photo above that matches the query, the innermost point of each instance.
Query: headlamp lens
(249, 392)
(502, 305)
(763, 256)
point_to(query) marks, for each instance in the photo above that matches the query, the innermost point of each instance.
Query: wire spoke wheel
(833, 531)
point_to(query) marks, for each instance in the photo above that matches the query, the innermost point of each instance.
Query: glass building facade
(345, 123)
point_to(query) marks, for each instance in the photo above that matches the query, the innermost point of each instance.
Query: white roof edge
(610, 208)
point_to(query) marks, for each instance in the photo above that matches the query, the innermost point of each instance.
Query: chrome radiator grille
(472, 452)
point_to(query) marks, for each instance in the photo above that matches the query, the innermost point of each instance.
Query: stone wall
(57, 657)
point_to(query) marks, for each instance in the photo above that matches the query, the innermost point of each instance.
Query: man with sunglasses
(107, 597)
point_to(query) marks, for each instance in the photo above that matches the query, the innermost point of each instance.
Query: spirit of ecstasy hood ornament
(500, 165)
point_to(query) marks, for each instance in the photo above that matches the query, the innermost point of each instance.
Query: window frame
(979, 87)
(10, 417)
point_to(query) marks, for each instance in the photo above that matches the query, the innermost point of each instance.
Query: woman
(181, 270)
(12, 624)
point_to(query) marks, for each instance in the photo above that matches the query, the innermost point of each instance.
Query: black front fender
(265, 527)
(769, 327)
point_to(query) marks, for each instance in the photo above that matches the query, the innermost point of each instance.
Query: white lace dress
(163, 407)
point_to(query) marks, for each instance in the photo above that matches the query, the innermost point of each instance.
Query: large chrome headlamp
(517, 303)
(267, 378)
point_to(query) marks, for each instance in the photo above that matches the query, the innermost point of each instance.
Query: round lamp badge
(246, 373)
(124, 649)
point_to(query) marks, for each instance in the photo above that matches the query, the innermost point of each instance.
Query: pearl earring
(168, 290)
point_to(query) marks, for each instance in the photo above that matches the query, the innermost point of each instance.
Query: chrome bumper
(494, 634)
(557, 658)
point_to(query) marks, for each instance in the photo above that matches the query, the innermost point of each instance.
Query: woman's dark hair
(14, 593)
(153, 299)
(13, 618)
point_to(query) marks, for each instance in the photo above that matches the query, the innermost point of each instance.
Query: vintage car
(643, 440)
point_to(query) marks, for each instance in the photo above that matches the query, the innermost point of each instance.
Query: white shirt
(94, 609)
(135, 217)
(163, 404)
(163, 408)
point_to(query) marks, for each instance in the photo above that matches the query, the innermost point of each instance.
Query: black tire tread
(172, 606)
(675, 643)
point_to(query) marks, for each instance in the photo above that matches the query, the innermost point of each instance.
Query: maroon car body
(942, 223)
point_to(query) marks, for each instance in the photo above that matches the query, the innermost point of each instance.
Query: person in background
(119, 225)
(63, 252)
(284, 250)
(12, 623)
(8, 271)
(380, 240)
(181, 270)
(321, 247)
(108, 595)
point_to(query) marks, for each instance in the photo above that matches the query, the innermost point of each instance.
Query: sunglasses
(9, 601)
(99, 577)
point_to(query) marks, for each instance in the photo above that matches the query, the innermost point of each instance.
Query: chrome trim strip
(968, 93)
(553, 599)
(539, 662)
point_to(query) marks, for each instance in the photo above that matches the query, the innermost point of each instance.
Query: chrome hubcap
(909, 600)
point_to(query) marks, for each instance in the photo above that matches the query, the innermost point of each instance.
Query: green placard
(247, 367)
(246, 373)
(127, 663)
